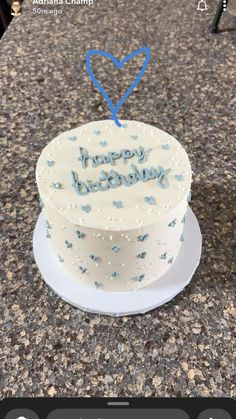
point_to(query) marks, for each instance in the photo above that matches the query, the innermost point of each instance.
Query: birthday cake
(114, 202)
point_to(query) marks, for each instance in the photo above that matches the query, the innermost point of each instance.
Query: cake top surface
(101, 176)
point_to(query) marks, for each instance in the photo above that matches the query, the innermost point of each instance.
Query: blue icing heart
(68, 244)
(82, 270)
(48, 235)
(117, 204)
(86, 208)
(179, 178)
(134, 137)
(150, 200)
(98, 284)
(80, 235)
(47, 225)
(165, 146)
(182, 238)
(50, 163)
(170, 260)
(139, 278)
(115, 275)
(141, 255)
(97, 132)
(95, 258)
(163, 256)
(60, 259)
(57, 185)
(172, 223)
(103, 143)
(143, 237)
(73, 138)
(116, 248)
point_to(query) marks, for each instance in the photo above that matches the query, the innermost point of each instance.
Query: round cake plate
(120, 303)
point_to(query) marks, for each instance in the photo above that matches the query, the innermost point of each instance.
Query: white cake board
(120, 303)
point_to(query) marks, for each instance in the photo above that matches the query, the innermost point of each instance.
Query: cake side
(116, 252)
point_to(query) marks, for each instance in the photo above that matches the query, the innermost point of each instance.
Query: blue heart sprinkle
(163, 256)
(47, 224)
(68, 244)
(50, 163)
(103, 143)
(143, 237)
(60, 259)
(179, 178)
(165, 146)
(134, 137)
(73, 138)
(139, 278)
(142, 255)
(117, 204)
(48, 235)
(86, 208)
(182, 238)
(57, 185)
(170, 260)
(150, 200)
(184, 219)
(80, 235)
(96, 132)
(98, 284)
(172, 223)
(115, 275)
(82, 270)
(116, 248)
(95, 258)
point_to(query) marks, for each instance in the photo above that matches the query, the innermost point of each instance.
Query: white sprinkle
(110, 237)
(109, 263)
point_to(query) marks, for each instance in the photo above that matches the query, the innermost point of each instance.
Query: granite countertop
(186, 347)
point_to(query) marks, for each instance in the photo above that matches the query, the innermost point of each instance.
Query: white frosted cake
(114, 202)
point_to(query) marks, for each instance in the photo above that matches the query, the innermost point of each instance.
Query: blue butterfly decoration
(117, 204)
(143, 237)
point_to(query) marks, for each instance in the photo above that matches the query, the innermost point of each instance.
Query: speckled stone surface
(186, 347)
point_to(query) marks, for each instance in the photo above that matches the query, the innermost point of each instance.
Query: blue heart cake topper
(119, 64)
